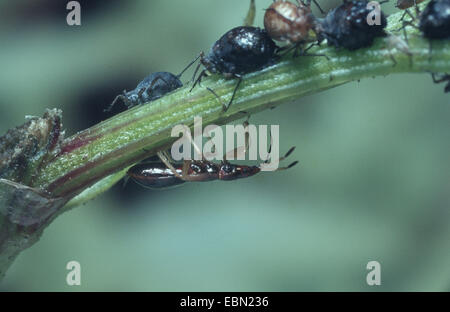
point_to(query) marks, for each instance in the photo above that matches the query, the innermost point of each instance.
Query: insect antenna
(289, 152)
(200, 55)
(187, 67)
(126, 178)
(119, 97)
(199, 78)
(308, 3)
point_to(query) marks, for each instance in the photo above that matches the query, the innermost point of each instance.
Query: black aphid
(241, 50)
(347, 25)
(435, 20)
(151, 88)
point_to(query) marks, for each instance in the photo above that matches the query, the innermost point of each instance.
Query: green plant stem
(93, 160)
(137, 133)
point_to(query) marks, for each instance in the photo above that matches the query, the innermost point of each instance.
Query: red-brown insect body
(156, 175)
(229, 172)
(286, 21)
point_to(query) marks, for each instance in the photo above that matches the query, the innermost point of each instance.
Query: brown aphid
(289, 22)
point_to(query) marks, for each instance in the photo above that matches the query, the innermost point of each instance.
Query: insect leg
(308, 4)
(121, 97)
(235, 153)
(305, 51)
(250, 18)
(221, 102)
(416, 7)
(234, 92)
(188, 135)
(189, 65)
(150, 87)
(224, 106)
(439, 80)
(140, 93)
(199, 78)
(407, 13)
(407, 23)
(394, 61)
(195, 72)
(286, 50)
(165, 159)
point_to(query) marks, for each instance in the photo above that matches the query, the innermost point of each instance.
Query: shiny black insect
(240, 51)
(434, 21)
(157, 175)
(346, 26)
(151, 88)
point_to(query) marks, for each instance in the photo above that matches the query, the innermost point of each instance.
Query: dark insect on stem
(348, 26)
(240, 51)
(434, 21)
(151, 88)
(165, 173)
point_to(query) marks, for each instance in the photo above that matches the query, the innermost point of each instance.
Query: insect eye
(196, 168)
(227, 168)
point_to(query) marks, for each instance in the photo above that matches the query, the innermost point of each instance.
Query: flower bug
(165, 173)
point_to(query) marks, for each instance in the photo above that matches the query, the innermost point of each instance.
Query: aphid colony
(245, 49)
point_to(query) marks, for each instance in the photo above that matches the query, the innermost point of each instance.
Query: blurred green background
(373, 181)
